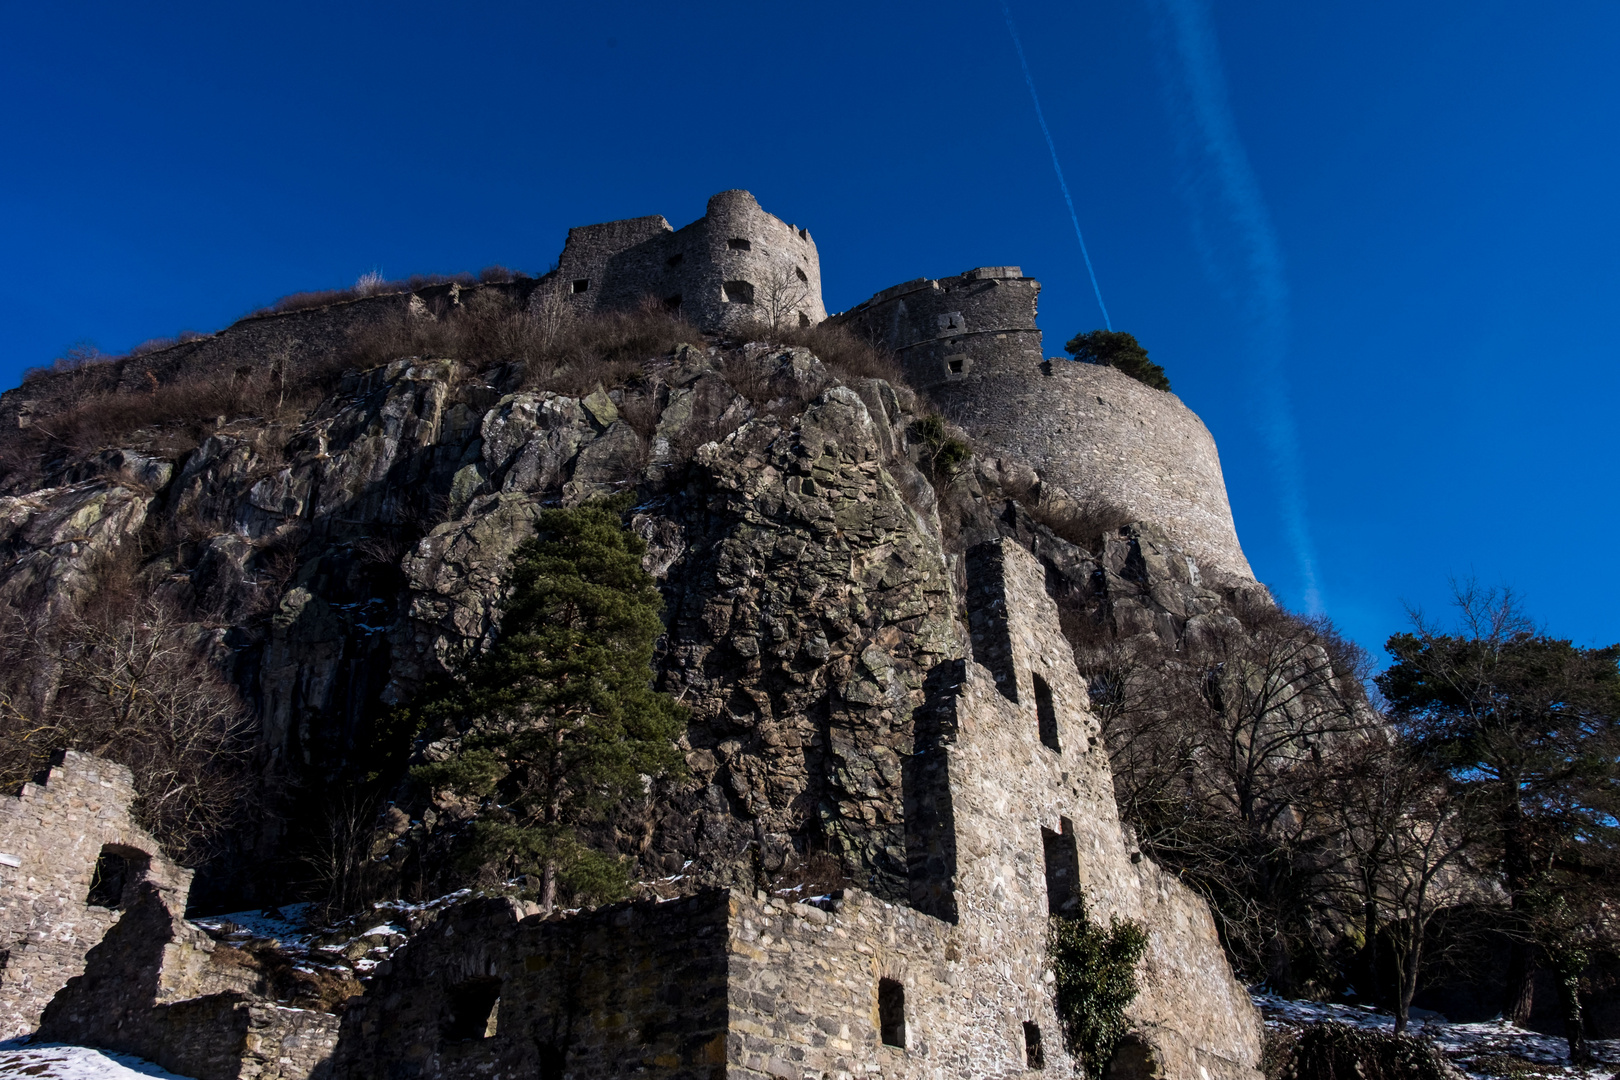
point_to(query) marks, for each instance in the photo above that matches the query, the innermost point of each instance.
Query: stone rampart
(70, 859)
(970, 343)
(736, 264)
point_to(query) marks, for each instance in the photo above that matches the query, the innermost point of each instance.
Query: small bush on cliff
(1096, 982)
(941, 453)
(559, 722)
(1119, 350)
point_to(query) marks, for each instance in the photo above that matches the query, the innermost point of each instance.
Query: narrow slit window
(581, 284)
(892, 1012)
(1062, 870)
(1046, 715)
(1034, 1056)
(473, 1008)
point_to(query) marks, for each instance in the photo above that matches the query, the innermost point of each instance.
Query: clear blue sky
(1375, 244)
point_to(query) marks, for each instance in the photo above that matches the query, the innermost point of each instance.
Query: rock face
(70, 858)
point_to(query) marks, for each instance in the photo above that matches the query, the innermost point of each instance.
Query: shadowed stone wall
(53, 836)
(736, 264)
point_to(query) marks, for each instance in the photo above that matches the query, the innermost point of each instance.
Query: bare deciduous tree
(781, 295)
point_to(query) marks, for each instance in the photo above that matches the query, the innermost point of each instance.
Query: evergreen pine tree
(1117, 349)
(559, 718)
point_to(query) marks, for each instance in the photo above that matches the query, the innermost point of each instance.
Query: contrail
(1041, 116)
(1220, 183)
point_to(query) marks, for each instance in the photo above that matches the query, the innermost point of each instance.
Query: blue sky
(1375, 245)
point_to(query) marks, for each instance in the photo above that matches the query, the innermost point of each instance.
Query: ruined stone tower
(970, 342)
(735, 264)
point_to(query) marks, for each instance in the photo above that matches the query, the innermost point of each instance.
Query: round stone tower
(736, 264)
(970, 343)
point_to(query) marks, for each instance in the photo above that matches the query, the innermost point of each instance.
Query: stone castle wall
(735, 264)
(53, 836)
(971, 344)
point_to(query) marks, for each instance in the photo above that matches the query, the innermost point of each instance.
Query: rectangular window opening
(738, 292)
(472, 1009)
(737, 243)
(1034, 1057)
(1062, 870)
(955, 365)
(581, 284)
(892, 1012)
(1046, 715)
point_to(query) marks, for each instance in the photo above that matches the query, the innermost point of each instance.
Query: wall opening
(1133, 1060)
(675, 260)
(804, 234)
(804, 321)
(472, 1009)
(738, 292)
(552, 1060)
(892, 1012)
(1046, 715)
(802, 276)
(117, 869)
(1034, 1056)
(581, 284)
(955, 365)
(672, 303)
(737, 243)
(1062, 870)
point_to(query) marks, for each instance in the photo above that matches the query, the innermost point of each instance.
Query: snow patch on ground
(49, 1061)
(1491, 1049)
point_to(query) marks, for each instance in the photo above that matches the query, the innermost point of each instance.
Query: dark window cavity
(581, 284)
(804, 321)
(804, 234)
(472, 1009)
(1046, 715)
(1034, 1057)
(956, 364)
(674, 260)
(672, 303)
(1062, 870)
(117, 869)
(552, 1060)
(738, 292)
(802, 276)
(737, 243)
(892, 1012)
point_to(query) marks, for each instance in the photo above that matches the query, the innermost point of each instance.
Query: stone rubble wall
(1007, 785)
(617, 265)
(51, 837)
(628, 988)
(159, 988)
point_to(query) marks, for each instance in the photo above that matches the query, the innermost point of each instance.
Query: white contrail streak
(1220, 182)
(1041, 116)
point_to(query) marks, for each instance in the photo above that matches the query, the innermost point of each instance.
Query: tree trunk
(1569, 993)
(1407, 989)
(1518, 991)
(548, 888)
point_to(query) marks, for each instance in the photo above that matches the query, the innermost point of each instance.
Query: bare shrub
(131, 682)
(850, 356)
(1082, 522)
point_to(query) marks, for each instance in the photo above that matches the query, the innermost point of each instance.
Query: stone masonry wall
(52, 836)
(721, 270)
(1015, 799)
(970, 343)
(159, 988)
